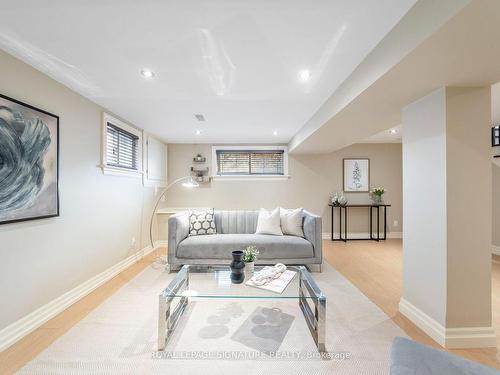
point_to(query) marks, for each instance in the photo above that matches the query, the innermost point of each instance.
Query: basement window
(258, 162)
(122, 148)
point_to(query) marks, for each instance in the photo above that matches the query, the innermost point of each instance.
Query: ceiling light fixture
(304, 75)
(146, 73)
(198, 132)
(199, 117)
(275, 133)
(393, 131)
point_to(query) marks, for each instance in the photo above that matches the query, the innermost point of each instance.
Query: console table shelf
(371, 207)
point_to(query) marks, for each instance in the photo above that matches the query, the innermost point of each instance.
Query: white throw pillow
(291, 221)
(269, 222)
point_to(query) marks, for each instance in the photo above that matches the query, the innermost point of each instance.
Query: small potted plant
(249, 256)
(376, 194)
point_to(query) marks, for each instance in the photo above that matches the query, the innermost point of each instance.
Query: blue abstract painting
(29, 158)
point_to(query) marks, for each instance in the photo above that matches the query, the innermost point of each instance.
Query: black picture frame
(345, 186)
(57, 159)
(495, 136)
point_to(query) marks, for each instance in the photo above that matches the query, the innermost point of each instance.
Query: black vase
(237, 267)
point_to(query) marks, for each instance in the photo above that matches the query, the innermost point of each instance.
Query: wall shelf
(199, 172)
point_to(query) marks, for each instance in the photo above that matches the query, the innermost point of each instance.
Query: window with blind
(250, 162)
(121, 148)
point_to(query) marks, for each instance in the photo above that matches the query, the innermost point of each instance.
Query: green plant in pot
(376, 194)
(249, 257)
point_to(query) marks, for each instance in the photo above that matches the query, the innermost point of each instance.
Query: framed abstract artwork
(356, 175)
(29, 162)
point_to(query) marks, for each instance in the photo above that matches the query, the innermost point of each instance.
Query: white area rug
(119, 336)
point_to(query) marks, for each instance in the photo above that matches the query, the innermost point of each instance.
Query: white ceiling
(392, 135)
(463, 52)
(235, 62)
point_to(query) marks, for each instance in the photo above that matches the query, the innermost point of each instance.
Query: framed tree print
(356, 175)
(29, 162)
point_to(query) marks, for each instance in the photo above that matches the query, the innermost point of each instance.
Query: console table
(372, 207)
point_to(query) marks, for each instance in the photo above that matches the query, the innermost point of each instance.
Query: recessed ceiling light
(304, 75)
(393, 131)
(275, 132)
(147, 73)
(198, 132)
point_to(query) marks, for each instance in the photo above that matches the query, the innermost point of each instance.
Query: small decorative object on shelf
(339, 200)
(237, 267)
(199, 158)
(376, 194)
(249, 256)
(200, 174)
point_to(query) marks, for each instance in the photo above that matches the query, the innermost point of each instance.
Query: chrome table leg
(316, 321)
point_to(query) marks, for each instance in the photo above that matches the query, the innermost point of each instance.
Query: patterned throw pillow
(201, 222)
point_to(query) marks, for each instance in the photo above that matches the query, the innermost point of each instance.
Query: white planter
(249, 267)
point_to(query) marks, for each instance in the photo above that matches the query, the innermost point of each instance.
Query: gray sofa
(236, 231)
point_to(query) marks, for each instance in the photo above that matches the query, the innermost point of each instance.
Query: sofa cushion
(269, 222)
(201, 222)
(291, 221)
(236, 221)
(220, 246)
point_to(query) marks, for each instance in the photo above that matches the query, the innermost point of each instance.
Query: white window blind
(250, 162)
(122, 149)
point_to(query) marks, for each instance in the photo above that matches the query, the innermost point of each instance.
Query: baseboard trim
(451, 338)
(24, 326)
(390, 235)
(495, 250)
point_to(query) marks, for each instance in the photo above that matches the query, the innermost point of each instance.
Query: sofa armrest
(178, 229)
(313, 233)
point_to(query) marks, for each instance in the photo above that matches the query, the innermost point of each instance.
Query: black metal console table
(371, 207)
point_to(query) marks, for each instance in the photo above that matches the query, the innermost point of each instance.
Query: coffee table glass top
(215, 282)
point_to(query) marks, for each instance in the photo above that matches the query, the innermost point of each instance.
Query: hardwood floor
(376, 270)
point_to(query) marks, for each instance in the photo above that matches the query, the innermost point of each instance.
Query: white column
(447, 214)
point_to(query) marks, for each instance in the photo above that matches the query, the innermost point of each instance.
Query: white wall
(424, 202)
(313, 179)
(100, 214)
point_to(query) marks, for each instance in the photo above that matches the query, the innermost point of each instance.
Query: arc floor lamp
(189, 182)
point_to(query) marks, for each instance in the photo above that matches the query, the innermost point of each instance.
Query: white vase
(249, 268)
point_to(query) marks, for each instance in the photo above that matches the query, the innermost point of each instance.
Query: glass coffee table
(213, 282)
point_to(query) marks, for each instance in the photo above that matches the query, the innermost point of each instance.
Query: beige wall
(495, 117)
(313, 179)
(468, 163)
(100, 214)
(496, 206)
(447, 238)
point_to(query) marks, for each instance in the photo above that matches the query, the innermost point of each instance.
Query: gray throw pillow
(201, 222)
